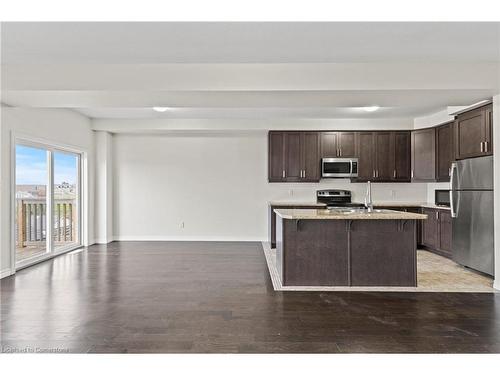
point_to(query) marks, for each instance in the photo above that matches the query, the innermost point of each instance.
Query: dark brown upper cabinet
(294, 157)
(366, 151)
(310, 157)
(276, 156)
(402, 156)
(383, 156)
(473, 133)
(423, 158)
(444, 151)
(338, 144)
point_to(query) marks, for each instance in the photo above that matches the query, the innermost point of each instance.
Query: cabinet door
(430, 228)
(488, 130)
(329, 145)
(402, 156)
(445, 228)
(276, 154)
(423, 155)
(384, 156)
(293, 156)
(347, 144)
(366, 164)
(470, 134)
(310, 157)
(444, 142)
(417, 210)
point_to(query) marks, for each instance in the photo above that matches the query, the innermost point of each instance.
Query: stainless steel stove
(336, 198)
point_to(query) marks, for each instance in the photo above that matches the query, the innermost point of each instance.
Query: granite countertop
(409, 204)
(291, 203)
(376, 204)
(344, 214)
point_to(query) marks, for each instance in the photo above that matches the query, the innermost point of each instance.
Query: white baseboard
(102, 241)
(186, 239)
(6, 272)
(496, 284)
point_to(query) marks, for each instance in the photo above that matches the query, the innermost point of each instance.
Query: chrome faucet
(368, 198)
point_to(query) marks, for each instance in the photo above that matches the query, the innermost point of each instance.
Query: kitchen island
(346, 247)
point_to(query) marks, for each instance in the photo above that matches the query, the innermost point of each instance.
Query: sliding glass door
(65, 207)
(32, 180)
(47, 201)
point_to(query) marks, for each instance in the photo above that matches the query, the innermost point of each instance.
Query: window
(47, 201)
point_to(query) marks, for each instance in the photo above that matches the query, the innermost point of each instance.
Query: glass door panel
(65, 231)
(32, 175)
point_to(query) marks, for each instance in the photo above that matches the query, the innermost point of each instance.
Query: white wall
(60, 126)
(216, 184)
(496, 185)
(103, 187)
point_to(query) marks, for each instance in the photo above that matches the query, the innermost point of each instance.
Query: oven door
(338, 167)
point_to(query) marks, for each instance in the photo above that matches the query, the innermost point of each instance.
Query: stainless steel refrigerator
(471, 200)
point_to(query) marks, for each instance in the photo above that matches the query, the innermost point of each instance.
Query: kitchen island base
(346, 252)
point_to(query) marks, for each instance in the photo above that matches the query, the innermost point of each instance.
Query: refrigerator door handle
(453, 170)
(452, 203)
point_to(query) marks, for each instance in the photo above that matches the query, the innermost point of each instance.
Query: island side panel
(279, 247)
(383, 253)
(314, 252)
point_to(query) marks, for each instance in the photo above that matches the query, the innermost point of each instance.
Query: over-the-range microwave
(339, 167)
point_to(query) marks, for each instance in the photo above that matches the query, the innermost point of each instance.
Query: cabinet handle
(412, 173)
(449, 172)
(377, 173)
(485, 146)
(340, 152)
(394, 173)
(482, 147)
(437, 215)
(374, 173)
(304, 173)
(283, 174)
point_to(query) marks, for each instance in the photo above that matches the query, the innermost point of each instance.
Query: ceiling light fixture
(160, 109)
(372, 108)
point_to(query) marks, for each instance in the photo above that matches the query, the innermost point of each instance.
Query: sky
(31, 166)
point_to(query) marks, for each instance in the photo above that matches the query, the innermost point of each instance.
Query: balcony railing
(31, 219)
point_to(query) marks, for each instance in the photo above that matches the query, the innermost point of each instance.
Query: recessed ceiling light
(372, 108)
(160, 109)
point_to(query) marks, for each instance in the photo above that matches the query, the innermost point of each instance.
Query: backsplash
(402, 192)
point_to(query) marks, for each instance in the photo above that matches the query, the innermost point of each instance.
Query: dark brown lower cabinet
(382, 252)
(346, 252)
(312, 252)
(272, 218)
(436, 231)
(445, 229)
(413, 209)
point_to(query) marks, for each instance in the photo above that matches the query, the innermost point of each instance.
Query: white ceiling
(249, 70)
(274, 42)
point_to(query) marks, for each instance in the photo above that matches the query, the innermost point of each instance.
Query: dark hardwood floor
(217, 297)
